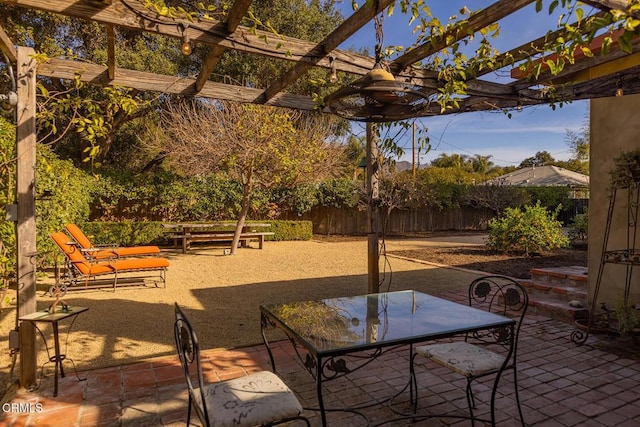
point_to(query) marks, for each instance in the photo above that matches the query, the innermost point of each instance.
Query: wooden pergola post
(373, 257)
(26, 197)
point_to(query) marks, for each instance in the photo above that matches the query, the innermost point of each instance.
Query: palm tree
(481, 164)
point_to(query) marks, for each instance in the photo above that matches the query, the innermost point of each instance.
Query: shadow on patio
(597, 384)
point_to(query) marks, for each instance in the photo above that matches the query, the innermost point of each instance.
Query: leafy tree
(542, 158)
(444, 160)
(355, 151)
(579, 144)
(532, 229)
(61, 198)
(495, 197)
(261, 147)
(481, 164)
(101, 124)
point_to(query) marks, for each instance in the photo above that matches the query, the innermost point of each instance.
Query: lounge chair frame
(111, 272)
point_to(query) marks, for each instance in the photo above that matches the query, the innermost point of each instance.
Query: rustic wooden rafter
(236, 13)
(7, 47)
(476, 22)
(209, 32)
(229, 34)
(322, 49)
(608, 4)
(97, 74)
(111, 51)
(532, 48)
(585, 63)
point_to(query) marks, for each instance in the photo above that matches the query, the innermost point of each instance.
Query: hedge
(129, 233)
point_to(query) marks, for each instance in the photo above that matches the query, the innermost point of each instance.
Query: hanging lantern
(378, 97)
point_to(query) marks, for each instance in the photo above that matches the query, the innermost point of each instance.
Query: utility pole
(413, 151)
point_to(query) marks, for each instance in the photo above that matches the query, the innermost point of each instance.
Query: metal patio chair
(260, 398)
(483, 353)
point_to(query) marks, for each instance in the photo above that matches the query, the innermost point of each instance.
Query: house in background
(546, 176)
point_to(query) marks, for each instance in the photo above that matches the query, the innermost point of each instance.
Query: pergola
(588, 77)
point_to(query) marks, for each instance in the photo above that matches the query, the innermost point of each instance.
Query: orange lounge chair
(107, 251)
(79, 268)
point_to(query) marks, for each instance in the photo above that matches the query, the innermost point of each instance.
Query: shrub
(124, 233)
(61, 197)
(579, 227)
(531, 229)
(131, 233)
(291, 230)
(7, 196)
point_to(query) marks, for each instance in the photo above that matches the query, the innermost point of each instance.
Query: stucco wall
(615, 127)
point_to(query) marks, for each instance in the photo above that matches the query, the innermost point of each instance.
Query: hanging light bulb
(619, 90)
(519, 106)
(186, 47)
(333, 74)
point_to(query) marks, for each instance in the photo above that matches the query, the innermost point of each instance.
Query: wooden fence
(328, 220)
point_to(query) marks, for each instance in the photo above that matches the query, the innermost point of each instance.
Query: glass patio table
(336, 336)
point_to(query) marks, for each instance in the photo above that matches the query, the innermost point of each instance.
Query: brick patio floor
(561, 384)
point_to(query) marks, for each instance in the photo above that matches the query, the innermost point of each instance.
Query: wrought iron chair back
(500, 295)
(260, 398)
(488, 352)
(189, 354)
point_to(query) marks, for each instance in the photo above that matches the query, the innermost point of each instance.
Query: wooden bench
(220, 236)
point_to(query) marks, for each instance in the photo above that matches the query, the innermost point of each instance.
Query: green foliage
(626, 170)
(339, 193)
(7, 196)
(579, 227)
(291, 230)
(541, 158)
(549, 197)
(62, 196)
(531, 229)
(627, 319)
(284, 230)
(297, 200)
(125, 233)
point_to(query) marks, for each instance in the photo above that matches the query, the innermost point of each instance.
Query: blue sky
(508, 140)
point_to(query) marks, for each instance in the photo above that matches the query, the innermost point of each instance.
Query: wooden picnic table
(216, 232)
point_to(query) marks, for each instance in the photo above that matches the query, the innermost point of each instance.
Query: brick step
(559, 310)
(554, 291)
(574, 276)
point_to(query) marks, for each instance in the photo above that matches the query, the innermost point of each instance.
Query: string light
(333, 75)
(619, 90)
(519, 106)
(186, 48)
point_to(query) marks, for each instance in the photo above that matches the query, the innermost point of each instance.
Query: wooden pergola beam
(583, 64)
(322, 49)
(476, 22)
(208, 32)
(233, 20)
(608, 4)
(7, 47)
(111, 52)
(97, 74)
(533, 47)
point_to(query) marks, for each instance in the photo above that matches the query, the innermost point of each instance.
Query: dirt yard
(484, 259)
(479, 257)
(222, 294)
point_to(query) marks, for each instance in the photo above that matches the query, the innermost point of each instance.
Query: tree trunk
(246, 202)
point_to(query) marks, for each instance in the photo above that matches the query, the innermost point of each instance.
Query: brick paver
(561, 384)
